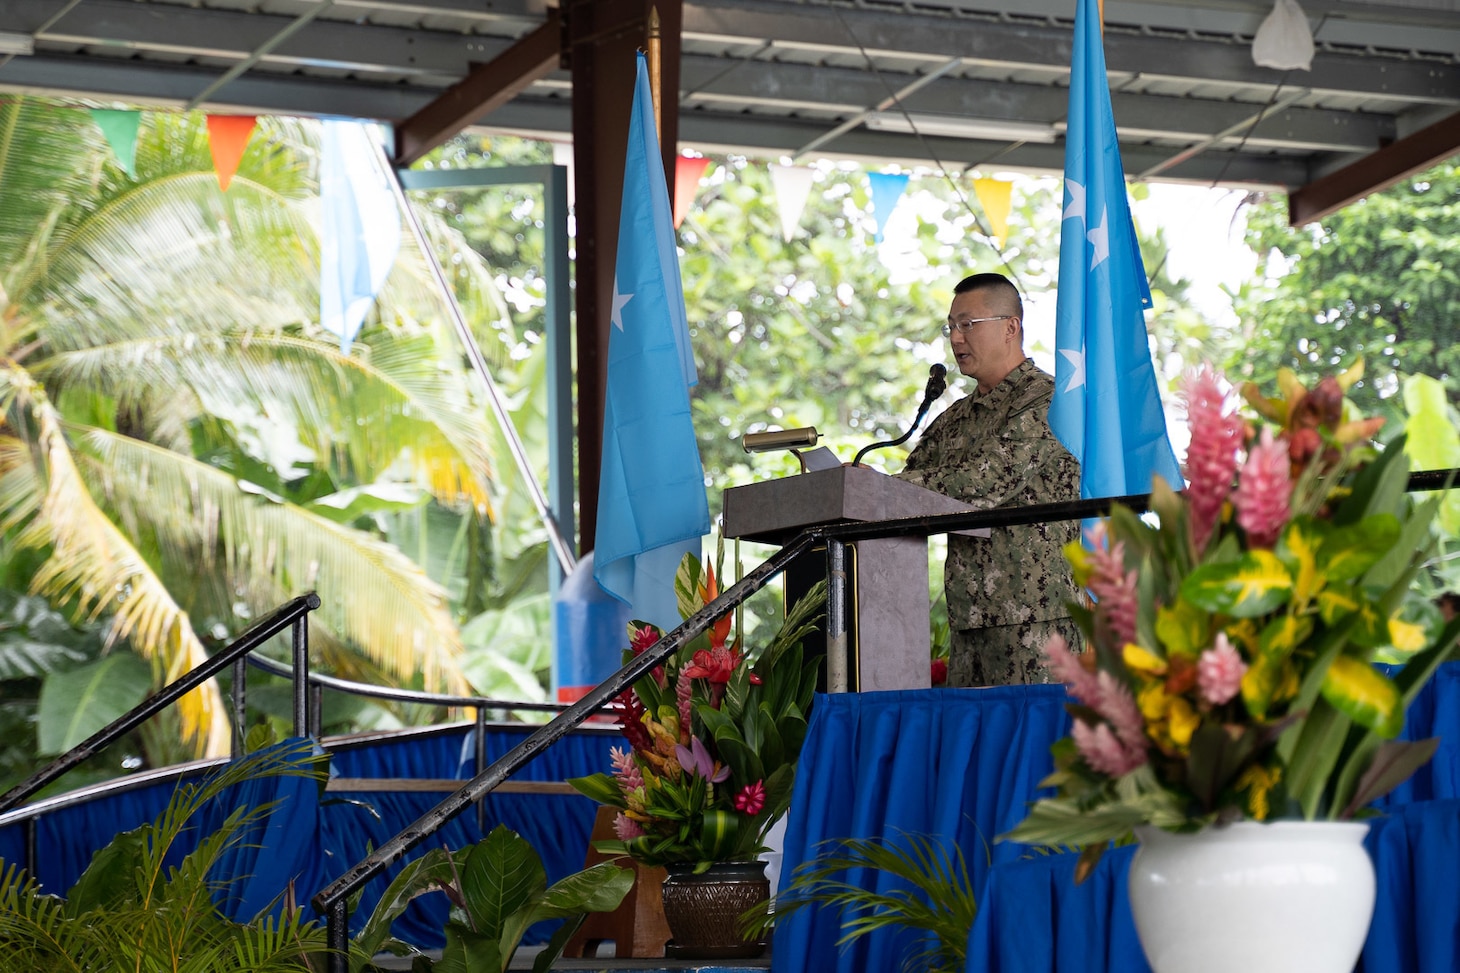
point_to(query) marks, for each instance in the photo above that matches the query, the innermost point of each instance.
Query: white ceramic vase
(1284, 897)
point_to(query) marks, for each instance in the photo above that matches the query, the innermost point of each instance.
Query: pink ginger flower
(1119, 708)
(1103, 752)
(1211, 459)
(1114, 589)
(626, 827)
(626, 769)
(1065, 666)
(684, 696)
(751, 799)
(1264, 489)
(1219, 672)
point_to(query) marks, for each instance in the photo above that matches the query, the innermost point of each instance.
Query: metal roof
(802, 78)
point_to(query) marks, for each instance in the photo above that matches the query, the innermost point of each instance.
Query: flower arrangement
(1230, 667)
(714, 735)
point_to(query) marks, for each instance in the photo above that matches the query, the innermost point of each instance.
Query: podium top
(774, 511)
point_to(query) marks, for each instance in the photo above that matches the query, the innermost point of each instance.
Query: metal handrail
(289, 614)
(421, 697)
(332, 901)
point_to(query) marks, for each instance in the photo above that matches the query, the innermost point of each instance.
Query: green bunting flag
(120, 129)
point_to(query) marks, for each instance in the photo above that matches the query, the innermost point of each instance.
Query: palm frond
(93, 563)
(372, 593)
(415, 407)
(935, 897)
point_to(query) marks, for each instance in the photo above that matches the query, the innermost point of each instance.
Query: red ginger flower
(715, 665)
(751, 799)
(630, 713)
(1114, 589)
(1211, 458)
(1264, 489)
(640, 638)
(940, 672)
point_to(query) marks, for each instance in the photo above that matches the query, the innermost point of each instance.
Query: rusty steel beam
(485, 88)
(1378, 170)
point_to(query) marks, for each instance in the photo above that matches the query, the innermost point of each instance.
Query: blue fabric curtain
(350, 825)
(957, 765)
(962, 765)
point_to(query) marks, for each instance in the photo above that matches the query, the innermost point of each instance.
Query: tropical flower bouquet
(1231, 669)
(714, 735)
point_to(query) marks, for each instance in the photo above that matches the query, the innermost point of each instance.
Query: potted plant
(714, 736)
(1228, 707)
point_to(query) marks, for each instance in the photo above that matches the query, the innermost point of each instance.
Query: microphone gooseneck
(936, 385)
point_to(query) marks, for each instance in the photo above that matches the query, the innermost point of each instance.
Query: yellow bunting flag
(227, 138)
(688, 170)
(993, 196)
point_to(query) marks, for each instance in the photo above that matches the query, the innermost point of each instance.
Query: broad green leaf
(687, 586)
(1282, 635)
(598, 888)
(1183, 629)
(76, 704)
(1433, 438)
(1337, 602)
(719, 832)
(1215, 760)
(1393, 763)
(1299, 548)
(600, 787)
(1253, 585)
(501, 876)
(1364, 694)
(1348, 552)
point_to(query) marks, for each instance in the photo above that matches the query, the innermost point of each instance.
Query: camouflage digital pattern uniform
(1008, 592)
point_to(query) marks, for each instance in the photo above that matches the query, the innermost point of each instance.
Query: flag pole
(653, 57)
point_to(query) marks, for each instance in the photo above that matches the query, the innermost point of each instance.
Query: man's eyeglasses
(966, 325)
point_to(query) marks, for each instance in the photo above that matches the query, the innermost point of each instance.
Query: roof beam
(1379, 170)
(485, 88)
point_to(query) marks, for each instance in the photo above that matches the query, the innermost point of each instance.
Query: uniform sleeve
(1025, 464)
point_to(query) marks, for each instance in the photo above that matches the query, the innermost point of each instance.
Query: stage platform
(607, 964)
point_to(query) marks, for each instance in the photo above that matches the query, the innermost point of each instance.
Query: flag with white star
(1106, 409)
(652, 507)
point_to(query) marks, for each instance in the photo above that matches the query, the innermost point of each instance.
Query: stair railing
(291, 615)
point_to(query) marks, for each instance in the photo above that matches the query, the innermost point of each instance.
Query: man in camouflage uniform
(1008, 592)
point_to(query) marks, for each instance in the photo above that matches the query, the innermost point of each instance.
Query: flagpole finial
(654, 83)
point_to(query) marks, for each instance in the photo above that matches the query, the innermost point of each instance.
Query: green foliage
(1236, 672)
(930, 892)
(1379, 279)
(715, 735)
(498, 889)
(130, 910)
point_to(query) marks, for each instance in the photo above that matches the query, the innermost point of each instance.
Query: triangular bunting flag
(227, 138)
(793, 187)
(687, 173)
(887, 189)
(993, 196)
(120, 129)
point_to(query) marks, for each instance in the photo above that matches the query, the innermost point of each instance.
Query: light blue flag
(887, 189)
(359, 228)
(651, 491)
(1106, 409)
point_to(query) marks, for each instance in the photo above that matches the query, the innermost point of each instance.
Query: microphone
(935, 387)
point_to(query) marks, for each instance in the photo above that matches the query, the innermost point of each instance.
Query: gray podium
(887, 596)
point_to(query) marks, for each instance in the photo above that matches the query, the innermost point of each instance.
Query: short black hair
(992, 282)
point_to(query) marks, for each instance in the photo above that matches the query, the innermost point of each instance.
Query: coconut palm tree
(175, 431)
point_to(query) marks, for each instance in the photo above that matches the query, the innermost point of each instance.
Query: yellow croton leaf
(1142, 661)
(1258, 781)
(1350, 375)
(1407, 636)
(1080, 564)
(1182, 628)
(1182, 721)
(1260, 684)
(1153, 701)
(1364, 694)
(1301, 541)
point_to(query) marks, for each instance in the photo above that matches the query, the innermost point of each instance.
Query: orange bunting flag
(688, 170)
(993, 196)
(228, 136)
